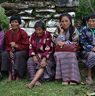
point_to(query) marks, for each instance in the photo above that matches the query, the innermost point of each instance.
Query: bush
(4, 22)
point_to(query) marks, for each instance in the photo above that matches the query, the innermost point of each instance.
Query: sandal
(73, 83)
(65, 83)
(82, 83)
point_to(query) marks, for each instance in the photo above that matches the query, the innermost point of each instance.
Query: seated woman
(1, 47)
(40, 49)
(16, 49)
(87, 39)
(66, 61)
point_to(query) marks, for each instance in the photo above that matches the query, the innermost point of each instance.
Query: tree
(3, 19)
(85, 8)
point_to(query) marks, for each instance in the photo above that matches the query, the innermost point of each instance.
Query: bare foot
(17, 78)
(89, 81)
(37, 83)
(30, 85)
(10, 78)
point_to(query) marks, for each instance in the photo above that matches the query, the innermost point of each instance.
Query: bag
(66, 48)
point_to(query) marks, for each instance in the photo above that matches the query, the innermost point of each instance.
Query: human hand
(75, 43)
(43, 62)
(12, 44)
(61, 30)
(93, 49)
(35, 59)
(61, 43)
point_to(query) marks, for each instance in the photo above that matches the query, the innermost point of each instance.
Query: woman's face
(39, 31)
(91, 23)
(65, 22)
(14, 24)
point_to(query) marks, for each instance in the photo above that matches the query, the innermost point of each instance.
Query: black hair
(67, 15)
(86, 18)
(71, 27)
(40, 24)
(91, 16)
(16, 17)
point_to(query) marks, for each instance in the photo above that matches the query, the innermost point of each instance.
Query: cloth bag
(66, 48)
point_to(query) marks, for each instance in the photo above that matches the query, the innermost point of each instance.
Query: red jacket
(43, 48)
(20, 38)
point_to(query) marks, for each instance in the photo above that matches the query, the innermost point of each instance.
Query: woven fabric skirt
(49, 70)
(67, 66)
(20, 62)
(90, 60)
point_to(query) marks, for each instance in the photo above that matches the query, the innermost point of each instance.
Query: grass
(53, 88)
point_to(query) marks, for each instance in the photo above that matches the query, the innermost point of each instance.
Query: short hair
(40, 24)
(16, 17)
(91, 16)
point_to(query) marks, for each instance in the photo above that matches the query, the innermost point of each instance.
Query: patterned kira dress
(66, 62)
(41, 47)
(87, 39)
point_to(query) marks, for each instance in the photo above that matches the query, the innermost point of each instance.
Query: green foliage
(3, 19)
(85, 8)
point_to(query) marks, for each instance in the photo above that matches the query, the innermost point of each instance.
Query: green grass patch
(54, 88)
(48, 88)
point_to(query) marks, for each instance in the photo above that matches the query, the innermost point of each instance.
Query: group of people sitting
(44, 58)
